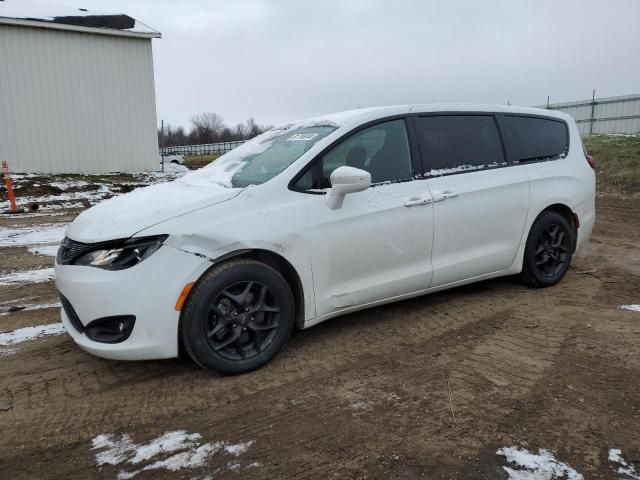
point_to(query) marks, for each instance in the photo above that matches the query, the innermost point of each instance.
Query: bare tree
(253, 128)
(172, 136)
(240, 131)
(207, 127)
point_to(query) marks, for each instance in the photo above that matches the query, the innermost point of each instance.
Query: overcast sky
(280, 60)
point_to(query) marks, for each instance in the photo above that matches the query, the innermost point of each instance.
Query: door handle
(415, 201)
(440, 196)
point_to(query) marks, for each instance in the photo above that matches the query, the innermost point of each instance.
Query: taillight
(591, 161)
(576, 220)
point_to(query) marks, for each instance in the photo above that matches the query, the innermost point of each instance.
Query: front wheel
(238, 317)
(548, 250)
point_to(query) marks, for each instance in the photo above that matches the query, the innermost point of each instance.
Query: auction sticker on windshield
(301, 137)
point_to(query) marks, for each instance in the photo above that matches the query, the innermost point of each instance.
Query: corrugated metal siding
(74, 102)
(607, 113)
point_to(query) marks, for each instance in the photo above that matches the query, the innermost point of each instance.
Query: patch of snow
(32, 235)
(46, 12)
(631, 308)
(38, 306)
(185, 449)
(461, 168)
(532, 466)
(238, 448)
(612, 136)
(169, 442)
(360, 405)
(221, 171)
(174, 169)
(615, 456)
(27, 276)
(93, 196)
(343, 118)
(69, 184)
(46, 250)
(61, 206)
(116, 449)
(189, 459)
(15, 337)
(39, 214)
(392, 397)
(123, 215)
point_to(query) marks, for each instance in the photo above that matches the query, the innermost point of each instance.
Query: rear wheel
(548, 250)
(237, 317)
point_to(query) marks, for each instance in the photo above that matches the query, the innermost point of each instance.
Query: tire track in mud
(489, 373)
(413, 358)
(576, 394)
(84, 421)
(99, 375)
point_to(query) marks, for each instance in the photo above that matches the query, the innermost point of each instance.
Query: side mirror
(345, 180)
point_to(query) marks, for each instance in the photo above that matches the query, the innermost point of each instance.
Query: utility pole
(162, 145)
(593, 111)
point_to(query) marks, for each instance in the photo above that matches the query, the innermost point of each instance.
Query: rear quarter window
(534, 138)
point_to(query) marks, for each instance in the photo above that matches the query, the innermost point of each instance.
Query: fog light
(114, 329)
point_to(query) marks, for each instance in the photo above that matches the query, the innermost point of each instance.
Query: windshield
(261, 158)
(276, 153)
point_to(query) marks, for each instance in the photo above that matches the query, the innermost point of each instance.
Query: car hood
(125, 215)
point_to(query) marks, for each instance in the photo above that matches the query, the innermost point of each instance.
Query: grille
(70, 250)
(71, 314)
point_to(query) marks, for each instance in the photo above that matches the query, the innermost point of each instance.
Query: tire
(238, 316)
(548, 251)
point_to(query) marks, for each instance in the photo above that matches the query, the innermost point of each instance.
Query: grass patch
(618, 159)
(194, 162)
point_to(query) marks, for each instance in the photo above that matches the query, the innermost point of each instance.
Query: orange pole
(9, 184)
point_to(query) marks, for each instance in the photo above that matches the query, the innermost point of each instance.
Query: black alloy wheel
(237, 317)
(243, 320)
(549, 250)
(552, 250)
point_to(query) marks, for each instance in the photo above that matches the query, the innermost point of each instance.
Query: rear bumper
(586, 212)
(148, 291)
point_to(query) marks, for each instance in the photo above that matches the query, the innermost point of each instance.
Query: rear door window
(458, 143)
(535, 139)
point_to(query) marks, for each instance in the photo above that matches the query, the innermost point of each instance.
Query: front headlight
(121, 255)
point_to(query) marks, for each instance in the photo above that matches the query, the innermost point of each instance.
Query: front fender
(293, 249)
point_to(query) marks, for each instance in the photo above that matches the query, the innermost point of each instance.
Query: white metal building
(76, 91)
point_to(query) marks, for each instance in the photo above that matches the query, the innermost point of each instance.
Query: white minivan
(322, 217)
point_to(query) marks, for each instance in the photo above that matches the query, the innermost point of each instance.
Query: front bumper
(148, 291)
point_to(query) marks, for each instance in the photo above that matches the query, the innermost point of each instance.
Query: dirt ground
(425, 388)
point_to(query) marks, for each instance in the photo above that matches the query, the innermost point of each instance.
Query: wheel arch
(287, 270)
(566, 212)
(278, 263)
(275, 261)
